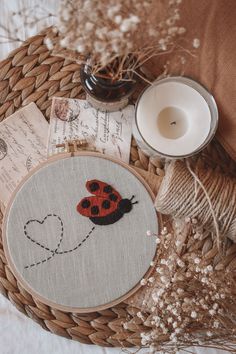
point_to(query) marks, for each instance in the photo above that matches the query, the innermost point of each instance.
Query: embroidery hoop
(18, 275)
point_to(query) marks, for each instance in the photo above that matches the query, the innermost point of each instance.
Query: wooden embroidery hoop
(17, 274)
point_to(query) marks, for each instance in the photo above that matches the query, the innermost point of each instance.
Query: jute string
(208, 196)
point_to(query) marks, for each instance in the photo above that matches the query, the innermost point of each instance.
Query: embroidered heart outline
(53, 251)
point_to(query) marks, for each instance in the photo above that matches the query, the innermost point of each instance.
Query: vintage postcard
(106, 132)
(23, 145)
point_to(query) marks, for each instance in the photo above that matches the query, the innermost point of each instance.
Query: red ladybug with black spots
(106, 206)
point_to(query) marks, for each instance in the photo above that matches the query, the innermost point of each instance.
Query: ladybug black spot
(85, 204)
(95, 210)
(107, 189)
(113, 197)
(94, 186)
(106, 204)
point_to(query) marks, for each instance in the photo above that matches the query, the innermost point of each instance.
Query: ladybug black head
(125, 205)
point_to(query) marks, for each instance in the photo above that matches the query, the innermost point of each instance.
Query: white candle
(175, 117)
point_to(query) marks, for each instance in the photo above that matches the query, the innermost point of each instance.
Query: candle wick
(173, 123)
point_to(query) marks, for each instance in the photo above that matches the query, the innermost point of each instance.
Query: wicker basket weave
(32, 74)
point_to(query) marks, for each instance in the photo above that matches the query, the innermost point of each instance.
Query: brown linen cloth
(214, 23)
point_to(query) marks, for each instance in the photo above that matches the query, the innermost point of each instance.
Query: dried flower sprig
(130, 30)
(188, 300)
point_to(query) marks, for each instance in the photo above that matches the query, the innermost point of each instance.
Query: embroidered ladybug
(106, 206)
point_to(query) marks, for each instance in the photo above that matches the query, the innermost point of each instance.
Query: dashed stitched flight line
(52, 251)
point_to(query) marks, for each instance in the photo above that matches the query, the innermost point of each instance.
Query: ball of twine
(203, 194)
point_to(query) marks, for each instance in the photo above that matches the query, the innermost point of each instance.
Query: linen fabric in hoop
(71, 259)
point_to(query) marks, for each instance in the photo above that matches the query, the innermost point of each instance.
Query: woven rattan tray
(32, 74)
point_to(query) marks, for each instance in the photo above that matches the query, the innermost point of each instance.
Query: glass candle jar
(176, 117)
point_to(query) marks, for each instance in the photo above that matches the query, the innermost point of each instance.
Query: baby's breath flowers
(188, 300)
(107, 29)
(132, 31)
(196, 43)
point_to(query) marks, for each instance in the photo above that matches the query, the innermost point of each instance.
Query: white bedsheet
(18, 333)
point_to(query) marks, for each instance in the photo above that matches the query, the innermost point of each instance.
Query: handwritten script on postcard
(23, 145)
(106, 132)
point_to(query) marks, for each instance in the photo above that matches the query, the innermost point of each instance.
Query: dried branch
(107, 31)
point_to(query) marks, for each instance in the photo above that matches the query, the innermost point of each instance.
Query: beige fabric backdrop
(214, 23)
